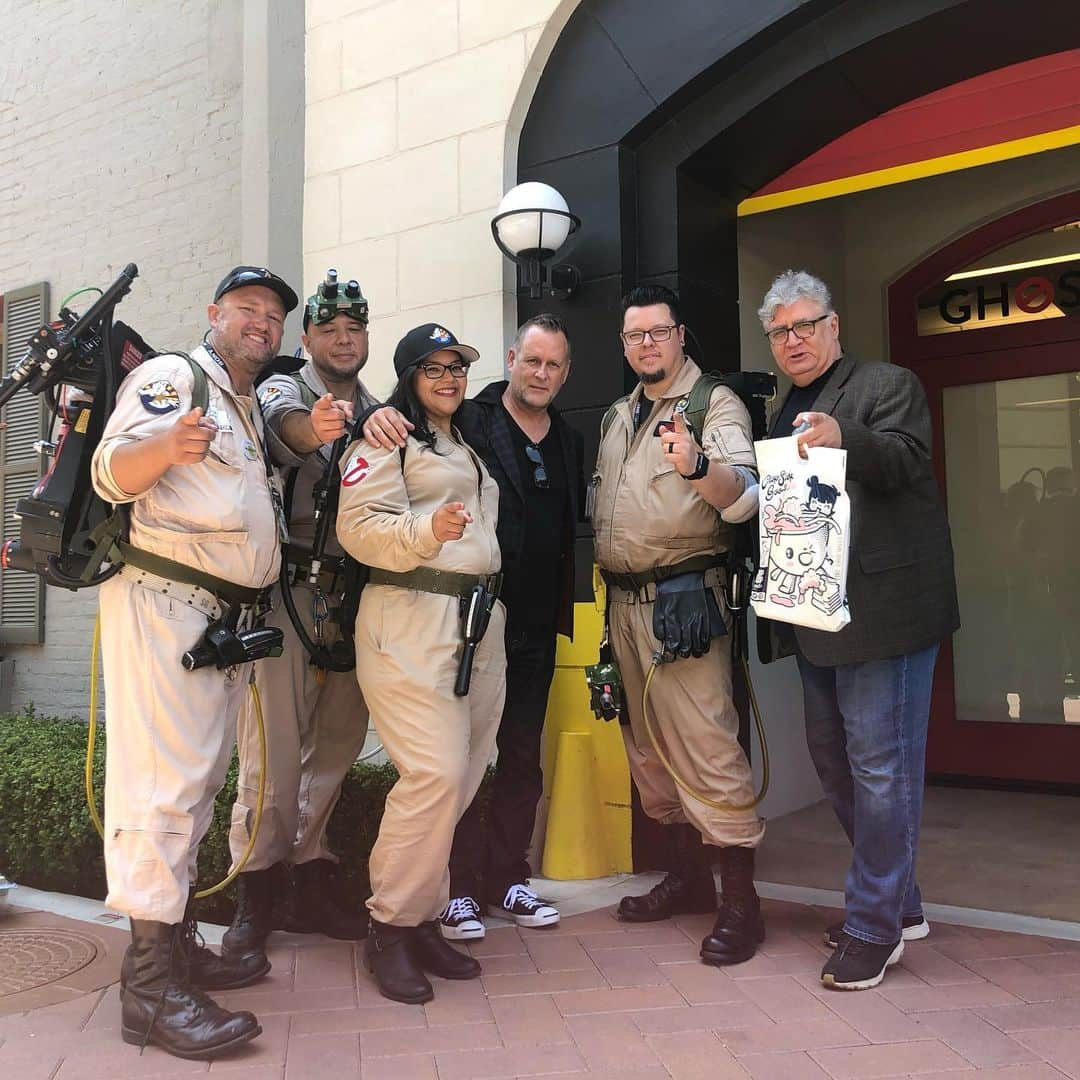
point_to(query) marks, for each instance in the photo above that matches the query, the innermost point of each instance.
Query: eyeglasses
(459, 369)
(803, 329)
(540, 476)
(657, 333)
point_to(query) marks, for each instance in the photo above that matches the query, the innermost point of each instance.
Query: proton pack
(78, 363)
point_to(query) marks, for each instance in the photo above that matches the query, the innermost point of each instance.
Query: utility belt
(195, 587)
(476, 595)
(441, 582)
(227, 606)
(640, 587)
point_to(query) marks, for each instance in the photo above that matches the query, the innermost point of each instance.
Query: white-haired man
(866, 689)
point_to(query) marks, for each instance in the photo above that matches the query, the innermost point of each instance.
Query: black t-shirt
(799, 399)
(531, 594)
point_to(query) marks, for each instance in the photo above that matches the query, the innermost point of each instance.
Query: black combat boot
(207, 970)
(433, 953)
(739, 928)
(316, 905)
(388, 956)
(688, 888)
(158, 1006)
(244, 943)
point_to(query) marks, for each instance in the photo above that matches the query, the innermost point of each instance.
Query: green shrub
(48, 841)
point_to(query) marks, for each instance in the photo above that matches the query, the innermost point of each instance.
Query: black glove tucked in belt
(686, 616)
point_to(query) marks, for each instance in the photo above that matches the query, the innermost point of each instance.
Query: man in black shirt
(536, 458)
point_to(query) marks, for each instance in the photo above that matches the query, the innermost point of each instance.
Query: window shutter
(22, 595)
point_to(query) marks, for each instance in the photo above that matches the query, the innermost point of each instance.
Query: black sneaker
(858, 964)
(526, 908)
(912, 928)
(460, 921)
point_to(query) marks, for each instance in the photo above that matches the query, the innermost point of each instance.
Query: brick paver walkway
(598, 998)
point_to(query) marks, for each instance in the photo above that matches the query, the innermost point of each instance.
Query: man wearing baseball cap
(202, 550)
(315, 717)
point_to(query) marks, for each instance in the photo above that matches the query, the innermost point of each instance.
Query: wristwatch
(701, 467)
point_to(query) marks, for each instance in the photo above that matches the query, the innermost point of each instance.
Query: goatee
(651, 377)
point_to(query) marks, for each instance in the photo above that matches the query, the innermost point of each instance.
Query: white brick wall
(119, 141)
(413, 113)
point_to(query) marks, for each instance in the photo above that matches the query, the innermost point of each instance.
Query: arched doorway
(991, 324)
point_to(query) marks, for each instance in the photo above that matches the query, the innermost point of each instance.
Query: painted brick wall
(119, 141)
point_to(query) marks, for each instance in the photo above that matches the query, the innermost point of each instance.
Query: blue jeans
(866, 731)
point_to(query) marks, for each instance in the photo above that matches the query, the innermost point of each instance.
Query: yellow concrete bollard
(576, 845)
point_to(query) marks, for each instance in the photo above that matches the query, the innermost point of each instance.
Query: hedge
(48, 841)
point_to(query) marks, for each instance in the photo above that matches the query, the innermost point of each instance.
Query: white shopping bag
(804, 529)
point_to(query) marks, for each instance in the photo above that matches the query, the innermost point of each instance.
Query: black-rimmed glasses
(536, 459)
(657, 333)
(459, 369)
(803, 330)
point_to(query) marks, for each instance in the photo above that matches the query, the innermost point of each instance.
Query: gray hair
(790, 286)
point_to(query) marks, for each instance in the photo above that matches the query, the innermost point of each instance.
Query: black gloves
(686, 616)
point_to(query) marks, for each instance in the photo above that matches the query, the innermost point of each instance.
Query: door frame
(965, 352)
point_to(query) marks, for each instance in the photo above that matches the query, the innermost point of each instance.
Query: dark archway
(655, 123)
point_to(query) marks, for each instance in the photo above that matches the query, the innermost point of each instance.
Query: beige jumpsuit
(407, 648)
(646, 515)
(315, 721)
(170, 731)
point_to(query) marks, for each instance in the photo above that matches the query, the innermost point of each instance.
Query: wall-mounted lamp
(530, 225)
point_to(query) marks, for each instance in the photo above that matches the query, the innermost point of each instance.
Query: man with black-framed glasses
(536, 459)
(664, 500)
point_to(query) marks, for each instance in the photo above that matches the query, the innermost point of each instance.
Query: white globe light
(523, 232)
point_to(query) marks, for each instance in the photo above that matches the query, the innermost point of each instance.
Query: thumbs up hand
(678, 444)
(189, 438)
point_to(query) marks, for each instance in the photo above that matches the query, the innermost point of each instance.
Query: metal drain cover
(33, 958)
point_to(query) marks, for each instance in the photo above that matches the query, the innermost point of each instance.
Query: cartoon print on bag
(798, 539)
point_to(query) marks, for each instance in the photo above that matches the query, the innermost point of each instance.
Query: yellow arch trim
(915, 170)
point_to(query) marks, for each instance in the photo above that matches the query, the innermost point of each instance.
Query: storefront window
(1012, 453)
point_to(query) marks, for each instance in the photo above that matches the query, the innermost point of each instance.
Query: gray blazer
(901, 587)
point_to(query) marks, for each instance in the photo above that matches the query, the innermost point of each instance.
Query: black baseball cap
(240, 276)
(422, 341)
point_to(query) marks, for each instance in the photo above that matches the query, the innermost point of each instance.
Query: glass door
(1011, 463)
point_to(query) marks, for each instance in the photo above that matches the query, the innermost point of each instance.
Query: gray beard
(648, 378)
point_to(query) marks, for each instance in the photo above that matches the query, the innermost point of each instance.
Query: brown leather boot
(739, 928)
(434, 954)
(388, 956)
(158, 1006)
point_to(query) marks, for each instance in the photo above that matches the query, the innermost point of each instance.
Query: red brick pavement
(598, 998)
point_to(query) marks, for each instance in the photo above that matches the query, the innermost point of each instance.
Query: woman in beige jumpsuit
(423, 518)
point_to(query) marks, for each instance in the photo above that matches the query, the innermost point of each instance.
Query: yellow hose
(673, 773)
(91, 738)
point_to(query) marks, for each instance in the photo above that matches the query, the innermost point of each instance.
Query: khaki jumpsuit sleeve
(375, 522)
(150, 400)
(727, 437)
(278, 396)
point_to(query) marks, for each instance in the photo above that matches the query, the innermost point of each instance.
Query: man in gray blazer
(866, 689)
